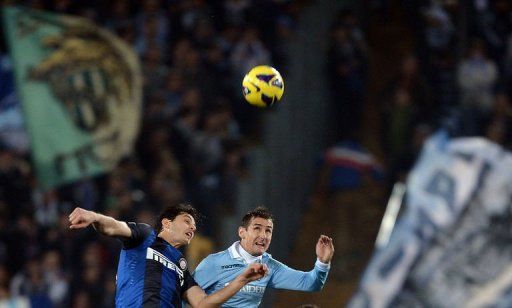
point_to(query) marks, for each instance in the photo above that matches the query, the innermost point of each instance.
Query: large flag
(80, 89)
(452, 247)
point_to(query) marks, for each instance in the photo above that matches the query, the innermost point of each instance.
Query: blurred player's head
(177, 224)
(255, 231)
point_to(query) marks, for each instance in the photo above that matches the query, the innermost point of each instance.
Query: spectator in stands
(249, 52)
(499, 129)
(174, 87)
(477, 75)
(7, 300)
(47, 207)
(493, 24)
(236, 11)
(442, 76)
(55, 276)
(30, 282)
(439, 31)
(410, 80)
(152, 26)
(346, 64)
(120, 16)
(154, 71)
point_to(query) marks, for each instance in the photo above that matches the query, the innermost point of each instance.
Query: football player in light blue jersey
(217, 270)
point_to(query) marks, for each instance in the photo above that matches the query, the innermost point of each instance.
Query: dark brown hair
(174, 210)
(260, 211)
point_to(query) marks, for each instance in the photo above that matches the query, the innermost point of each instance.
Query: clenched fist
(81, 218)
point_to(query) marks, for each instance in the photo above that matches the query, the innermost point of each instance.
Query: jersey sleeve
(284, 277)
(140, 232)
(205, 273)
(188, 283)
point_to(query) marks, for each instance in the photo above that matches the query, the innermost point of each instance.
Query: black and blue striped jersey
(151, 272)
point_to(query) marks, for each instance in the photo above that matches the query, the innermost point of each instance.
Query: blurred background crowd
(394, 70)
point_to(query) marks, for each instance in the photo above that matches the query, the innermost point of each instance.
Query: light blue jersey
(217, 270)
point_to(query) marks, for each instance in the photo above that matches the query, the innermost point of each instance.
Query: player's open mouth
(261, 244)
(189, 234)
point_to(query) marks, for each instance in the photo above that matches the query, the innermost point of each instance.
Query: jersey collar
(234, 252)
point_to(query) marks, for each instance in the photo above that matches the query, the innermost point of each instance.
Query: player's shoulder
(142, 235)
(271, 262)
(211, 261)
(217, 256)
(140, 227)
(223, 254)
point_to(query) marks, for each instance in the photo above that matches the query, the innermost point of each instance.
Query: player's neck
(250, 258)
(169, 239)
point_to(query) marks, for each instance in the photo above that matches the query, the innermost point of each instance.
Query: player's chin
(261, 249)
(187, 238)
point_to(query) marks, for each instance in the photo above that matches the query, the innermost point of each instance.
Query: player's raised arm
(81, 218)
(196, 297)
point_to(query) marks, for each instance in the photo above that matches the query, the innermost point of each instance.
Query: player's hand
(324, 249)
(81, 218)
(254, 272)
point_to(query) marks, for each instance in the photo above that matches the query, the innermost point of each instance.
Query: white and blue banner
(452, 246)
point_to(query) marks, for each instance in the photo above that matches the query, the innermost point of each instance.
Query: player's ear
(165, 223)
(241, 232)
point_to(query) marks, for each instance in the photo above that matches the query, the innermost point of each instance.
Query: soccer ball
(263, 86)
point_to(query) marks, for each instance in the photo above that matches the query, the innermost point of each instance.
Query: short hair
(260, 211)
(173, 211)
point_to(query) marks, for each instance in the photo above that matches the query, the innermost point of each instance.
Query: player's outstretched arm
(81, 218)
(324, 249)
(287, 278)
(196, 297)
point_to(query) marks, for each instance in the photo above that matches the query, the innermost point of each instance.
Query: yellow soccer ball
(263, 86)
